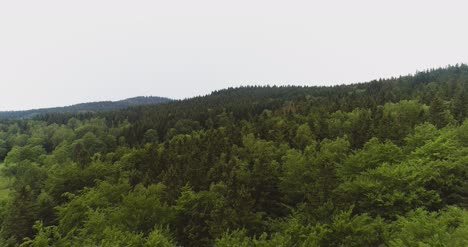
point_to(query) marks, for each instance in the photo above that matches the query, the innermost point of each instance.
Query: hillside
(381, 163)
(101, 106)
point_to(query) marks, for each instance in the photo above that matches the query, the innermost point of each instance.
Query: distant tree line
(85, 108)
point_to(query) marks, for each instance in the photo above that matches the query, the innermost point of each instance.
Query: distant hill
(100, 106)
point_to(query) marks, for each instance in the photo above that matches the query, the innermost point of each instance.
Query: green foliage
(344, 230)
(304, 137)
(421, 228)
(373, 155)
(202, 216)
(391, 190)
(31, 153)
(3, 149)
(421, 135)
(383, 163)
(398, 119)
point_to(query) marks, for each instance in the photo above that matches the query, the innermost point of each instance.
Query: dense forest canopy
(383, 163)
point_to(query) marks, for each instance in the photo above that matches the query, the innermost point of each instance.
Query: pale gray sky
(61, 52)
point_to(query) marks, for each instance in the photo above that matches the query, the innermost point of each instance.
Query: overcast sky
(62, 52)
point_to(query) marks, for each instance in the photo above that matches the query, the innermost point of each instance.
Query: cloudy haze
(61, 52)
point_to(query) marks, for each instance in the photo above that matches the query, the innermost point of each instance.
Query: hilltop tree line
(91, 107)
(378, 163)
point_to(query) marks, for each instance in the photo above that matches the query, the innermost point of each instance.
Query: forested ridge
(383, 163)
(90, 107)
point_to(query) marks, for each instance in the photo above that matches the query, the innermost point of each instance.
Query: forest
(101, 106)
(381, 163)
